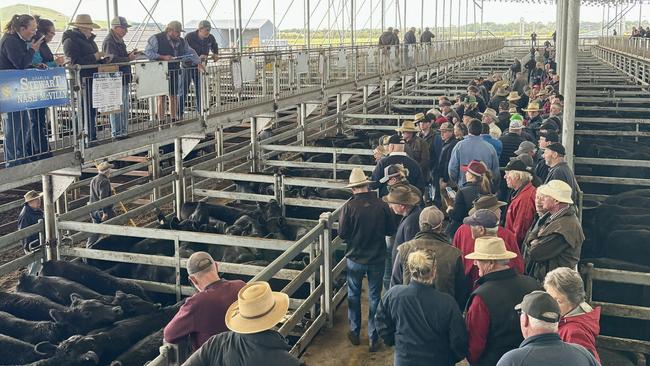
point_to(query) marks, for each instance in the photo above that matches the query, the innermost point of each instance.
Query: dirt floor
(332, 348)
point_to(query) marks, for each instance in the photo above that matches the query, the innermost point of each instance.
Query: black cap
(395, 139)
(550, 124)
(550, 136)
(541, 306)
(517, 165)
(557, 147)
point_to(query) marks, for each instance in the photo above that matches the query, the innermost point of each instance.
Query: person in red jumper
(203, 314)
(579, 322)
(490, 316)
(465, 236)
(521, 210)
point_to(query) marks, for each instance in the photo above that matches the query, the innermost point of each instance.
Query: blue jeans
(120, 120)
(18, 139)
(40, 144)
(355, 274)
(189, 76)
(388, 262)
(89, 113)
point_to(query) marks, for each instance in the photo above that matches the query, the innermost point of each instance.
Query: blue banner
(32, 88)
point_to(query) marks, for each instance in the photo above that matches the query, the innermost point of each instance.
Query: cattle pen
(354, 93)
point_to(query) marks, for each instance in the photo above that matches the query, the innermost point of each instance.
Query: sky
(290, 13)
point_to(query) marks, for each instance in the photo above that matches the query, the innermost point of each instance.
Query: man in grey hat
(364, 222)
(100, 188)
(115, 48)
(202, 42)
(450, 275)
(559, 169)
(171, 47)
(30, 215)
(203, 314)
(538, 320)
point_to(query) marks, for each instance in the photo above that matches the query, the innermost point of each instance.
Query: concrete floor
(331, 347)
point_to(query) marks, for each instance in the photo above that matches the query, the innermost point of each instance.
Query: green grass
(60, 20)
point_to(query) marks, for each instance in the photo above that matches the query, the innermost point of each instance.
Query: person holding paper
(202, 42)
(115, 48)
(170, 46)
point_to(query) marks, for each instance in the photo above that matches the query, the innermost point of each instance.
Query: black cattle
(111, 343)
(15, 352)
(133, 305)
(74, 351)
(145, 350)
(214, 212)
(92, 278)
(86, 315)
(32, 331)
(28, 306)
(57, 289)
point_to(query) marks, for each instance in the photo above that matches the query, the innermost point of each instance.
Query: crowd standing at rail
(475, 212)
(24, 46)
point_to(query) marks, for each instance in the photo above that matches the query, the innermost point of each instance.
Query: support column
(255, 146)
(302, 118)
(115, 9)
(48, 218)
(241, 30)
(570, 78)
(178, 183)
(559, 36)
(154, 156)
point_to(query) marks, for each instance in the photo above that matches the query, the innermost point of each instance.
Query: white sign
(236, 74)
(302, 65)
(151, 79)
(248, 69)
(342, 59)
(371, 55)
(107, 91)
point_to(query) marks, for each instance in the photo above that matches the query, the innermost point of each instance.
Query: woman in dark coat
(17, 49)
(43, 58)
(478, 183)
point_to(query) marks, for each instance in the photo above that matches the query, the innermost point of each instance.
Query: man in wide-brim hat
(499, 289)
(535, 120)
(84, 21)
(501, 95)
(513, 96)
(415, 146)
(252, 340)
(364, 222)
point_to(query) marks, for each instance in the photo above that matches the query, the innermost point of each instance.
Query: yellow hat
(408, 126)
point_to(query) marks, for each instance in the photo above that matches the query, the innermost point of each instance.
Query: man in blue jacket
(472, 147)
(540, 315)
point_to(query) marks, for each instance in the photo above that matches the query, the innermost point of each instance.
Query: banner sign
(107, 91)
(32, 88)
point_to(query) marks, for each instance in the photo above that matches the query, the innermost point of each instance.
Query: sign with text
(107, 91)
(33, 88)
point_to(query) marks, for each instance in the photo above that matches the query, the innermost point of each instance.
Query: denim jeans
(40, 143)
(120, 120)
(189, 76)
(18, 140)
(355, 274)
(388, 262)
(89, 113)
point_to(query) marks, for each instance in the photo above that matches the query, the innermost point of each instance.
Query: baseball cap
(551, 136)
(446, 126)
(557, 147)
(517, 165)
(176, 26)
(516, 117)
(525, 147)
(205, 24)
(395, 139)
(198, 262)
(431, 216)
(120, 22)
(540, 305)
(390, 172)
(515, 125)
(482, 217)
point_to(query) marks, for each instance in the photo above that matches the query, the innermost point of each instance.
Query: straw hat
(514, 95)
(32, 195)
(84, 21)
(558, 190)
(490, 249)
(418, 117)
(502, 90)
(490, 113)
(402, 195)
(357, 178)
(532, 107)
(257, 309)
(434, 111)
(408, 126)
(104, 166)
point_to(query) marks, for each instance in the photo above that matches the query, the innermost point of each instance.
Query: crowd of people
(24, 45)
(475, 213)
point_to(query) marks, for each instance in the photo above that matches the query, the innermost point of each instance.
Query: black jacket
(46, 53)
(495, 101)
(548, 349)
(15, 53)
(100, 188)
(510, 143)
(202, 46)
(409, 38)
(442, 169)
(364, 222)
(426, 37)
(267, 348)
(462, 204)
(116, 47)
(500, 292)
(80, 50)
(28, 217)
(563, 172)
(504, 120)
(424, 324)
(533, 127)
(415, 176)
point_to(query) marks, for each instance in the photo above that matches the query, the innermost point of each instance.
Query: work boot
(354, 338)
(374, 346)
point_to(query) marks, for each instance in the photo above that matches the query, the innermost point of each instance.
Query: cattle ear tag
(75, 298)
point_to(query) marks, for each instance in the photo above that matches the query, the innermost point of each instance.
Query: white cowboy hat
(257, 309)
(558, 190)
(357, 178)
(490, 249)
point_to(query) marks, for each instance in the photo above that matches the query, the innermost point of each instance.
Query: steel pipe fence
(635, 66)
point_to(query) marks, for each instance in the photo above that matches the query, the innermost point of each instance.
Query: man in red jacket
(482, 223)
(203, 315)
(521, 210)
